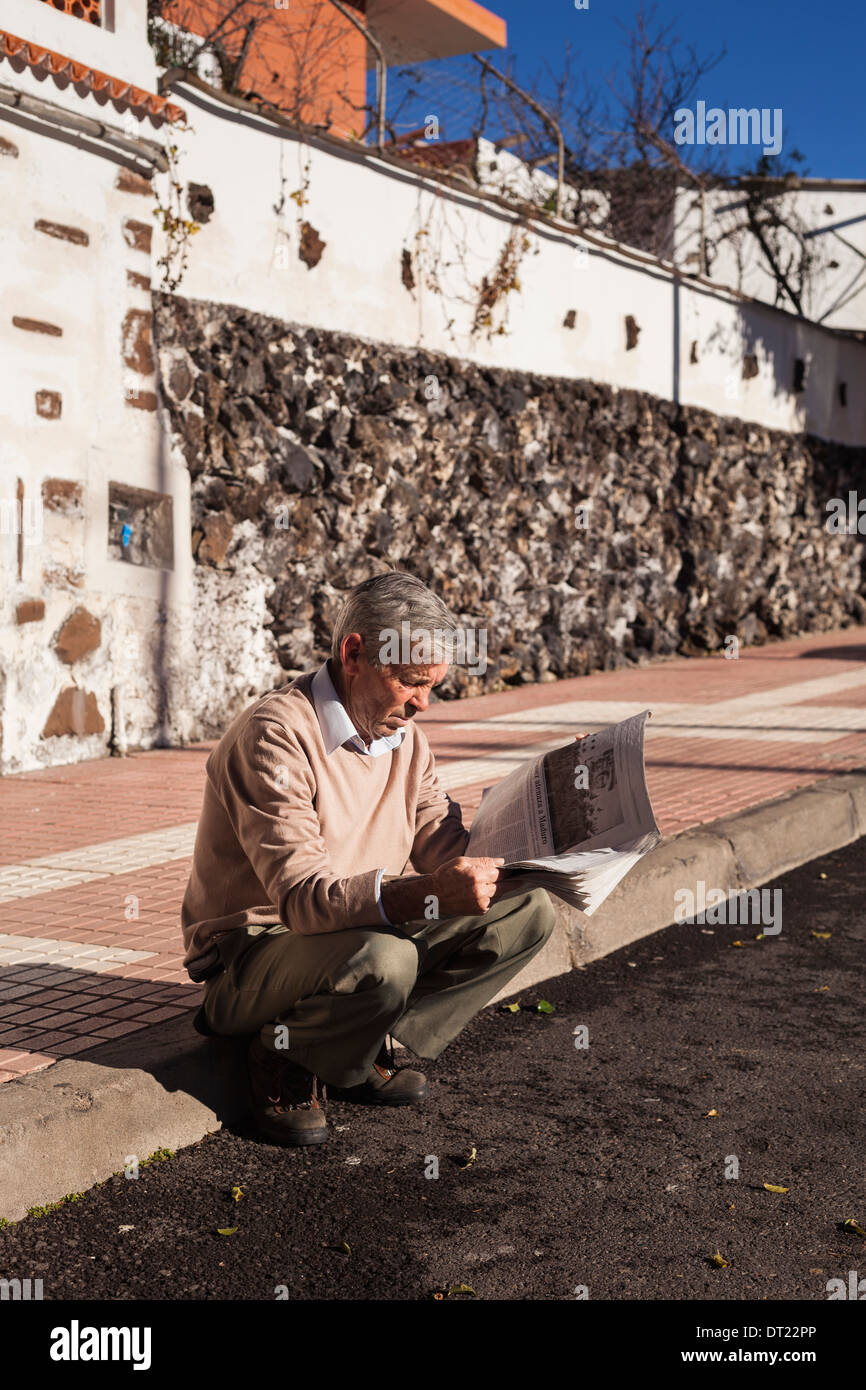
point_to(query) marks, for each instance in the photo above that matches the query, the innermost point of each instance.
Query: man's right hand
(461, 888)
(465, 887)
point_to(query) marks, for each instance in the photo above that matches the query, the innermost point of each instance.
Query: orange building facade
(311, 61)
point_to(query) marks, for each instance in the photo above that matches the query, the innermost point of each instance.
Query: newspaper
(574, 820)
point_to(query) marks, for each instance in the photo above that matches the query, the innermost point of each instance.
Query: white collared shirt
(338, 729)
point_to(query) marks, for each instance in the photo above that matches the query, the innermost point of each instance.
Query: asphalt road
(607, 1167)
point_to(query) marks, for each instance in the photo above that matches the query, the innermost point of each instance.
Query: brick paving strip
(91, 862)
(90, 948)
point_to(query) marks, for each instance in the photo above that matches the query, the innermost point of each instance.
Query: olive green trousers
(327, 1001)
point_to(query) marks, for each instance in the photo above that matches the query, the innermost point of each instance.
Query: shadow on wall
(770, 351)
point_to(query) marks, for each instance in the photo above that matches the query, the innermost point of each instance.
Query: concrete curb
(77, 1122)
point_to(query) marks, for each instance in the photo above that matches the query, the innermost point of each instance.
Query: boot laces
(283, 1102)
(385, 1063)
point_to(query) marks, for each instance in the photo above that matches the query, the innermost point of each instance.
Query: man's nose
(420, 699)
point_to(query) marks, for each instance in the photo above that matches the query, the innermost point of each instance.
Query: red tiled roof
(449, 154)
(59, 65)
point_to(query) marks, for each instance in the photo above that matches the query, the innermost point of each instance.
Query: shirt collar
(337, 728)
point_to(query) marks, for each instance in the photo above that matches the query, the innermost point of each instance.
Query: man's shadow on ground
(211, 1069)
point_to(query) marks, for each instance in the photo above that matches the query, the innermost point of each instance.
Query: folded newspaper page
(574, 820)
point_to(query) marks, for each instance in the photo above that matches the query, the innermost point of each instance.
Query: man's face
(382, 700)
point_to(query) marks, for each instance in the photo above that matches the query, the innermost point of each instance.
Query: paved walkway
(94, 857)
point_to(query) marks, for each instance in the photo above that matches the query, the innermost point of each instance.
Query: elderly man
(300, 914)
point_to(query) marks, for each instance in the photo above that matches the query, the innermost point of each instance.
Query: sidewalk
(94, 857)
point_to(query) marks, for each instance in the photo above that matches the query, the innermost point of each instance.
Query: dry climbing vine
(177, 228)
(504, 280)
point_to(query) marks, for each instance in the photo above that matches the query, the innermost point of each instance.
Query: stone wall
(584, 527)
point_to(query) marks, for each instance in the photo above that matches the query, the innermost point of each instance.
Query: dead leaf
(849, 1224)
(822, 989)
(510, 1008)
(719, 1261)
(227, 1230)
(736, 943)
(771, 1187)
(822, 935)
(709, 1113)
(473, 1154)
(822, 875)
(462, 1288)
(237, 1193)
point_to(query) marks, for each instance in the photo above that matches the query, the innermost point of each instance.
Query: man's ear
(351, 651)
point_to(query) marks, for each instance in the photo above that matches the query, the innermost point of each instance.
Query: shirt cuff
(379, 877)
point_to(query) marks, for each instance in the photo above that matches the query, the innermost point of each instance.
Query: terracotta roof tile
(59, 65)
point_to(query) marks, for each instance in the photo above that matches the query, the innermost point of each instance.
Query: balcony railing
(89, 10)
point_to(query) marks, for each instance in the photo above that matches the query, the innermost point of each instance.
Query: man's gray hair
(394, 603)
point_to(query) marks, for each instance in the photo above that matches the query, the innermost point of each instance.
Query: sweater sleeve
(439, 831)
(268, 789)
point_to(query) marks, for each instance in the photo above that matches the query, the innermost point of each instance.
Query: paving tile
(9, 1055)
(175, 994)
(46, 1041)
(32, 1016)
(74, 1045)
(101, 988)
(94, 1006)
(49, 996)
(124, 1011)
(83, 1026)
(31, 1061)
(59, 1020)
(119, 1030)
(20, 1035)
(159, 1015)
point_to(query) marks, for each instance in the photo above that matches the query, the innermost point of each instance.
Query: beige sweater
(289, 834)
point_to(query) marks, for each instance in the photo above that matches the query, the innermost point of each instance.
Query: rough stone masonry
(585, 527)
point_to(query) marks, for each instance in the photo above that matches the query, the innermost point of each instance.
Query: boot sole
(294, 1141)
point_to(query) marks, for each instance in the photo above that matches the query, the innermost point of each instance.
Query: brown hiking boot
(285, 1098)
(387, 1084)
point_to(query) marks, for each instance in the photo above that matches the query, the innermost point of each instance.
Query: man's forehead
(418, 675)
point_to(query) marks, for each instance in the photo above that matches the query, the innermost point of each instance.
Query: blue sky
(807, 58)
